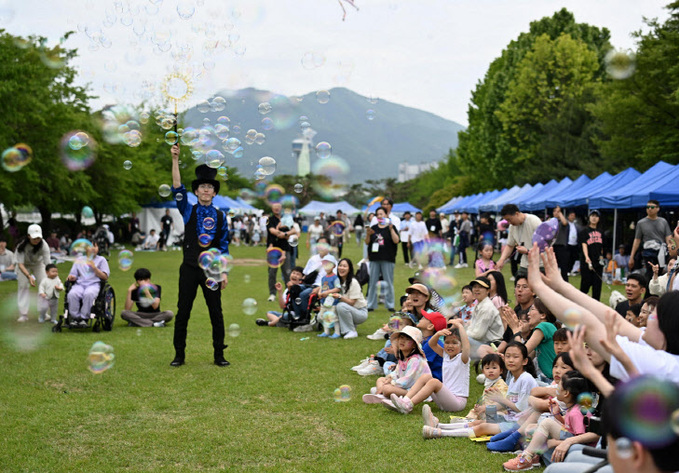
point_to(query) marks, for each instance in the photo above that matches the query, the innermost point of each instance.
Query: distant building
(407, 171)
(301, 151)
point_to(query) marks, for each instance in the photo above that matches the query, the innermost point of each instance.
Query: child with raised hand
(485, 263)
(520, 381)
(411, 364)
(554, 430)
(450, 394)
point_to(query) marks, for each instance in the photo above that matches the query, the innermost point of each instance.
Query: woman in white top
(32, 255)
(352, 308)
(315, 232)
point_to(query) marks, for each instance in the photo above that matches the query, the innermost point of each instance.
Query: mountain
(372, 148)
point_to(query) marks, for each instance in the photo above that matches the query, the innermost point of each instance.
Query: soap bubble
(80, 247)
(273, 193)
(147, 293)
(208, 223)
(212, 283)
(268, 165)
(620, 64)
(624, 447)
(125, 259)
(204, 240)
(586, 402)
(77, 150)
(264, 108)
(293, 240)
(267, 123)
(572, 318)
(171, 138)
(274, 257)
(329, 317)
(214, 158)
(179, 197)
(394, 322)
(234, 330)
(249, 306)
(232, 144)
(205, 259)
(100, 358)
(337, 228)
(23, 337)
(218, 104)
(674, 421)
(164, 190)
(299, 188)
(203, 107)
(323, 150)
(370, 114)
(185, 9)
(247, 278)
(127, 165)
(342, 394)
(298, 301)
(87, 212)
(12, 160)
(312, 60)
(332, 177)
(260, 138)
(323, 96)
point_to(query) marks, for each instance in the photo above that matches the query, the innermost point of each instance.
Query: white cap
(329, 258)
(34, 231)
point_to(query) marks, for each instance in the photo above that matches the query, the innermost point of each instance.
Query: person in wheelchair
(282, 319)
(87, 274)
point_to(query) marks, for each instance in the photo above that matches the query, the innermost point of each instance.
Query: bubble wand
(177, 87)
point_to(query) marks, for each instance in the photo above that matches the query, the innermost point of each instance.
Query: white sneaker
(304, 328)
(363, 363)
(159, 324)
(464, 265)
(373, 398)
(512, 278)
(23, 318)
(271, 298)
(378, 335)
(373, 368)
(481, 379)
(458, 266)
(351, 334)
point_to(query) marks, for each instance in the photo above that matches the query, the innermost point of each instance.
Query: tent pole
(615, 227)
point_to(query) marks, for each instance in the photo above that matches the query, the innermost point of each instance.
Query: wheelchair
(103, 310)
(308, 313)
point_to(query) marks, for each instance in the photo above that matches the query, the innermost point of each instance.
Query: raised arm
(176, 176)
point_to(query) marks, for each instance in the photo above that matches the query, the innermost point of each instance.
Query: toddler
(330, 284)
(48, 294)
(493, 367)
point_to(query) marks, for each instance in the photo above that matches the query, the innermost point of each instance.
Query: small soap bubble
(342, 394)
(586, 402)
(293, 240)
(212, 284)
(572, 318)
(370, 114)
(203, 107)
(332, 177)
(234, 330)
(298, 301)
(125, 259)
(171, 138)
(394, 322)
(218, 104)
(249, 306)
(138, 332)
(299, 188)
(179, 196)
(204, 240)
(205, 259)
(232, 144)
(100, 357)
(77, 150)
(274, 257)
(147, 294)
(323, 96)
(214, 158)
(273, 193)
(185, 9)
(620, 64)
(247, 278)
(260, 138)
(264, 108)
(164, 190)
(208, 223)
(267, 124)
(337, 228)
(323, 150)
(268, 165)
(80, 247)
(674, 421)
(11, 160)
(87, 212)
(127, 165)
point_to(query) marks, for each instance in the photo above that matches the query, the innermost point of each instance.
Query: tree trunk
(46, 224)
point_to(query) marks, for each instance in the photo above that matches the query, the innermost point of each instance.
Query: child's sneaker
(373, 368)
(429, 419)
(403, 404)
(363, 363)
(389, 405)
(41, 319)
(23, 318)
(373, 398)
(322, 335)
(335, 336)
(431, 432)
(522, 462)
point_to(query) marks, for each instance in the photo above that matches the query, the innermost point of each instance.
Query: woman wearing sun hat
(32, 255)
(486, 323)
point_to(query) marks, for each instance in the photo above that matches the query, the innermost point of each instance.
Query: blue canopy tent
(449, 209)
(450, 203)
(606, 185)
(475, 199)
(668, 193)
(315, 207)
(473, 207)
(496, 204)
(635, 194)
(581, 193)
(564, 188)
(537, 190)
(402, 207)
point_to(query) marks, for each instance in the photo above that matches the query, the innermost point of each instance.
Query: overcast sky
(427, 54)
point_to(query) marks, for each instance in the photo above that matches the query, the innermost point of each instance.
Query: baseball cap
(34, 231)
(595, 211)
(481, 281)
(421, 288)
(330, 258)
(438, 320)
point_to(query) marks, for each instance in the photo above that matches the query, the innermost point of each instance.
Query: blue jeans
(300, 309)
(8, 276)
(386, 270)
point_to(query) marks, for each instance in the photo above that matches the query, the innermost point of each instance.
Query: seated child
(558, 428)
(146, 296)
(452, 392)
(520, 381)
(560, 339)
(48, 292)
(429, 324)
(465, 312)
(281, 319)
(385, 360)
(412, 364)
(87, 272)
(493, 367)
(330, 284)
(632, 315)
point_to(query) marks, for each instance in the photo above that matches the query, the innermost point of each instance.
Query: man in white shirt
(417, 234)
(151, 241)
(521, 229)
(404, 235)
(388, 204)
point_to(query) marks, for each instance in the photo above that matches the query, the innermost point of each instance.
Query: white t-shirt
(418, 231)
(151, 241)
(518, 392)
(405, 229)
(647, 360)
(315, 231)
(356, 294)
(455, 374)
(523, 235)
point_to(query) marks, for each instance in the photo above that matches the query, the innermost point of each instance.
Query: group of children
(427, 358)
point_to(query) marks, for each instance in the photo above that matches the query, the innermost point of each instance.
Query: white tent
(329, 208)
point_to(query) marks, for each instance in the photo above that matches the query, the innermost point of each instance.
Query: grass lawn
(271, 410)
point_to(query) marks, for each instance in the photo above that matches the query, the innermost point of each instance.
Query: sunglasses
(651, 207)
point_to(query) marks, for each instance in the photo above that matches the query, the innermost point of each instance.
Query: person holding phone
(382, 240)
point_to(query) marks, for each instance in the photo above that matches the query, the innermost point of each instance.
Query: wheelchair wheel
(109, 314)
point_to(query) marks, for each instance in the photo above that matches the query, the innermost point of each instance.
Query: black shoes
(262, 322)
(220, 361)
(178, 361)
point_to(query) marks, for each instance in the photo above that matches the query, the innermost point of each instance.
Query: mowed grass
(271, 410)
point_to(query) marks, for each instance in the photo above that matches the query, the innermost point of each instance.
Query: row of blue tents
(628, 189)
(222, 202)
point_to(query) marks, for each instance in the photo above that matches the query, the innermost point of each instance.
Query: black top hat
(205, 175)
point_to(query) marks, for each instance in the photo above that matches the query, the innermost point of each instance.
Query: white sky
(427, 54)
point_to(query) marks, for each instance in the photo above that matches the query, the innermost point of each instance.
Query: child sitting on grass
(493, 368)
(465, 312)
(450, 394)
(557, 428)
(429, 324)
(520, 381)
(385, 359)
(411, 365)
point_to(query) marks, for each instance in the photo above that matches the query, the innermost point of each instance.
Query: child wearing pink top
(485, 263)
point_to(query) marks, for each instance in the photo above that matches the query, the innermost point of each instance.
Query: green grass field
(271, 410)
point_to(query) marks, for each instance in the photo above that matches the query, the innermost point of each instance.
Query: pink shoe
(403, 404)
(522, 462)
(373, 398)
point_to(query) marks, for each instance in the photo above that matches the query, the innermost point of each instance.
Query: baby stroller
(306, 314)
(101, 238)
(103, 310)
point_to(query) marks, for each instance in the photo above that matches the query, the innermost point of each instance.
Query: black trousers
(190, 278)
(286, 269)
(591, 278)
(406, 252)
(563, 259)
